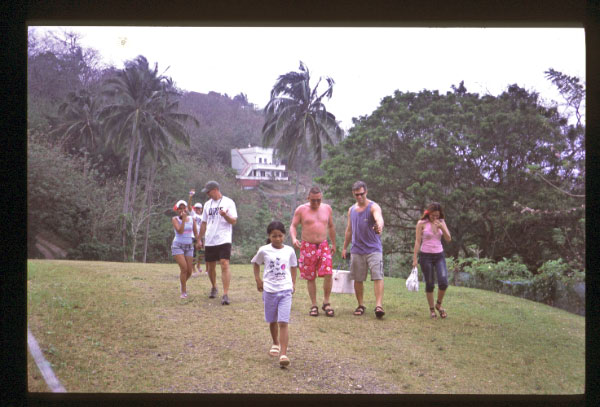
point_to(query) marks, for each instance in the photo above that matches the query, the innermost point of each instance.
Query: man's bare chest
(314, 218)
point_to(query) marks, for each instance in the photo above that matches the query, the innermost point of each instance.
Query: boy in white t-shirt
(278, 286)
(218, 217)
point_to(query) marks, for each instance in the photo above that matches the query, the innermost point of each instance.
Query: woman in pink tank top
(428, 246)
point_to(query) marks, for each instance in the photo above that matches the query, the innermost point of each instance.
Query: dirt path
(48, 249)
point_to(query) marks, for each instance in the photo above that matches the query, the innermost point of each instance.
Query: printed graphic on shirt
(213, 213)
(275, 270)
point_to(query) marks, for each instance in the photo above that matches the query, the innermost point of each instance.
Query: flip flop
(274, 351)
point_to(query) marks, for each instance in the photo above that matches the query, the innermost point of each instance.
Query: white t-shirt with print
(218, 230)
(197, 218)
(277, 275)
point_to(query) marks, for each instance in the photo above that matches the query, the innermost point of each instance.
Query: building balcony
(264, 171)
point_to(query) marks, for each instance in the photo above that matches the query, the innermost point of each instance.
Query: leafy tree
(58, 65)
(140, 114)
(67, 202)
(224, 124)
(468, 152)
(571, 89)
(296, 119)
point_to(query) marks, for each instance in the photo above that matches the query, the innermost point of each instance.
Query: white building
(256, 164)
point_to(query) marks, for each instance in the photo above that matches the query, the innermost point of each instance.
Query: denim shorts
(277, 306)
(187, 249)
(434, 265)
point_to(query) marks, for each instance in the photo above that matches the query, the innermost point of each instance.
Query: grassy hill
(121, 327)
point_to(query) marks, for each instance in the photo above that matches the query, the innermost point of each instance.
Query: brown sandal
(328, 311)
(432, 313)
(314, 311)
(439, 308)
(359, 310)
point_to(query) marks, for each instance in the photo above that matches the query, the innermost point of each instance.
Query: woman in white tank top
(182, 248)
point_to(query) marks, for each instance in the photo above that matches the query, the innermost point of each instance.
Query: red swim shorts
(315, 259)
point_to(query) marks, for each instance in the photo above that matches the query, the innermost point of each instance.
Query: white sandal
(274, 351)
(284, 360)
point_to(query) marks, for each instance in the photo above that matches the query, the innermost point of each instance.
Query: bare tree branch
(554, 186)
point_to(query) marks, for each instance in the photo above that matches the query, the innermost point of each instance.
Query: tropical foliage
(80, 145)
(478, 156)
(296, 119)
(110, 150)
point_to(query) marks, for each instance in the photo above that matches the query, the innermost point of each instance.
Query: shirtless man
(315, 255)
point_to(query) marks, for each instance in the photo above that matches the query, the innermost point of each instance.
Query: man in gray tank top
(365, 224)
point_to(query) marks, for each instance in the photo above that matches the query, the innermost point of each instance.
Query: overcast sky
(367, 64)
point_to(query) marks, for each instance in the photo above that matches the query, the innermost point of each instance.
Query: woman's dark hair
(432, 207)
(275, 225)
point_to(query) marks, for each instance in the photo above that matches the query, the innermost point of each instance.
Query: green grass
(121, 327)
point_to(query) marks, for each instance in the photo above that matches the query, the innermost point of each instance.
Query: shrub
(490, 275)
(393, 265)
(455, 267)
(555, 281)
(95, 250)
(511, 269)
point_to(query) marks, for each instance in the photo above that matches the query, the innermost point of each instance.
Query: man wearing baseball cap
(218, 217)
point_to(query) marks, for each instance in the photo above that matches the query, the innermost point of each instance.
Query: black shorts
(216, 253)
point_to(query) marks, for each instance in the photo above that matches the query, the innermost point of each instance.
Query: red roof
(249, 182)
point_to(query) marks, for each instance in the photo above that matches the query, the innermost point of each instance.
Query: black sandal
(439, 308)
(314, 311)
(379, 312)
(328, 311)
(359, 310)
(432, 313)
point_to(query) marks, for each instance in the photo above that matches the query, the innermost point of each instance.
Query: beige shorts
(359, 263)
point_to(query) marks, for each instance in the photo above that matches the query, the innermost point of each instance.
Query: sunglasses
(360, 194)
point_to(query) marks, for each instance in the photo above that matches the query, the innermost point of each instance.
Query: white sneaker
(183, 295)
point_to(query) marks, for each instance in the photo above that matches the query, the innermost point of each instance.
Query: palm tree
(77, 122)
(296, 119)
(142, 115)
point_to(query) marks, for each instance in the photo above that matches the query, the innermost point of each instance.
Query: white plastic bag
(412, 282)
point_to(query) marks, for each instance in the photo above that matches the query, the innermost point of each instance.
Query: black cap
(210, 185)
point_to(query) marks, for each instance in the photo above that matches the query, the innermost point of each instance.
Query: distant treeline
(508, 169)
